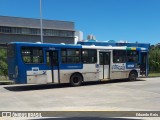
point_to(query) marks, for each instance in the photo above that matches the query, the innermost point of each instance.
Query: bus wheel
(76, 80)
(132, 76)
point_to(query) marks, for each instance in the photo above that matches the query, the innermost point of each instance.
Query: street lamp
(41, 22)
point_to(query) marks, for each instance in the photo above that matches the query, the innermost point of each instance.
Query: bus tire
(76, 80)
(132, 76)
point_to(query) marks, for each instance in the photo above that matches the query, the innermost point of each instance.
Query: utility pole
(41, 22)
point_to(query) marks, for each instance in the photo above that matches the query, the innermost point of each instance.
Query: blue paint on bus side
(71, 66)
(130, 65)
(138, 49)
(11, 67)
(22, 67)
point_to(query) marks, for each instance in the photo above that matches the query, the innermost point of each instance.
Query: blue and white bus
(43, 63)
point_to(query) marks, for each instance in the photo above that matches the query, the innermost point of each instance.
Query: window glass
(5, 29)
(101, 58)
(70, 56)
(52, 58)
(16, 30)
(55, 58)
(35, 31)
(89, 56)
(104, 58)
(32, 55)
(48, 58)
(63, 33)
(132, 56)
(25, 31)
(119, 56)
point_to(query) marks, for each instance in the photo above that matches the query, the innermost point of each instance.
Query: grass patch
(2, 78)
(154, 74)
(5, 81)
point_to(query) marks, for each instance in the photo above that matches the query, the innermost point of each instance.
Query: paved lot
(143, 94)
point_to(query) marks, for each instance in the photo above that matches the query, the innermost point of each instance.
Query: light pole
(41, 22)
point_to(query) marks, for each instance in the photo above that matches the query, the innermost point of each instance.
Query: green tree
(3, 62)
(154, 59)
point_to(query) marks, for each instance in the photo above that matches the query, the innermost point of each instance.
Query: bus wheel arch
(133, 75)
(76, 79)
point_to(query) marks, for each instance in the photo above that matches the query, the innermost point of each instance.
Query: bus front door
(104, 65)
(143, 65)
(53, 64)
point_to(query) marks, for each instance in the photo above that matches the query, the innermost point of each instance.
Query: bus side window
(70, 56)
(119, 56)
(84, 56)
(89, 56)
(132, 56)
(32, 55)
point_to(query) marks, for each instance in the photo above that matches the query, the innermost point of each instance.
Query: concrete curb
(6, 82)
(149, 77)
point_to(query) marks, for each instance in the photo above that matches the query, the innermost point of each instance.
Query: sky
(131, 20)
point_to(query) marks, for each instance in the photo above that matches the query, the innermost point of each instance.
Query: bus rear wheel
(76, 80)
(132, 76)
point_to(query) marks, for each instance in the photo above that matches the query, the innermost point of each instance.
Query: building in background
(78, 36)
(15, 29)
(157, 45)
(91, 37)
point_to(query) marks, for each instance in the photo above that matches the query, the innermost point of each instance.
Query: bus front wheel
(76, 80)
(132, 76)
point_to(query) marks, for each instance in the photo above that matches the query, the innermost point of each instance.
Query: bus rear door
(143, 63)
(104, 65)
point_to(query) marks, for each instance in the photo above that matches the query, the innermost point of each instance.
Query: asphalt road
(143, 94)
(116, 95)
